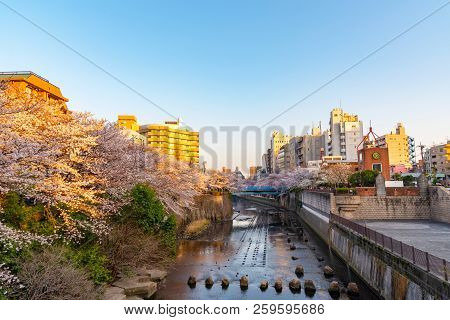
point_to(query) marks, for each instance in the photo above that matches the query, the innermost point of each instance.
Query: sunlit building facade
(346, 131)
(20, 82)
(401, 148)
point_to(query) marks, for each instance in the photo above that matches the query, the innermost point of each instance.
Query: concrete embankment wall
(391, 276)
(440, 204)
(312, 217)
(212, 207)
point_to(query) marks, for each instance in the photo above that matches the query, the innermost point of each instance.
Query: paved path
(425, 235)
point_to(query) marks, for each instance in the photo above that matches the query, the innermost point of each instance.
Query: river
(255, 244)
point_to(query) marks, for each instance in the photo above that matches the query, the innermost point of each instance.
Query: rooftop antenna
(366, 138)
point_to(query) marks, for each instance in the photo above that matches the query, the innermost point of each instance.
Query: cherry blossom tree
(298, 178)
(72, 163)
(336, 174)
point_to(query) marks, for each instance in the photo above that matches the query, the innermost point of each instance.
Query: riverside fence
(422, 259)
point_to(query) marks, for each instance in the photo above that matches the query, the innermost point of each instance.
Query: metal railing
(422, 259)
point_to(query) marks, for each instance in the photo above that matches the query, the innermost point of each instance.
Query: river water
(255, 244)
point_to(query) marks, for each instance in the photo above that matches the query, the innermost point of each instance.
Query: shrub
(147, 211)
(345, 190)
(145, 208)
(408, 181)
(128, 247)
(93, 261)
(365, 178)
(49, 275)
(19, 215)
(168, 234)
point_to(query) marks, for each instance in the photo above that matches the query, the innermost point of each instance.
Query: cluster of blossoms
(12, 239)
(8, 280)
(72, 163)
(298, 178)
(16, 240)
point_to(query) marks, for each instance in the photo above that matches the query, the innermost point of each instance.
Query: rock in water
(320, 259)
(334, 291)
(310, 288)
(264, 285)
(294, 258)
(328, 271)
(278, 285)
(243, 283)
(295, 285)
(209, 282)
(299, 271)
(192, 282)
(225, 283)
(352, 290)
(292, 247)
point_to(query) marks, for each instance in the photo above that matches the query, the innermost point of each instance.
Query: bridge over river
(255, 244)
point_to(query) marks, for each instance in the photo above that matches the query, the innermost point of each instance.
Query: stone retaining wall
(211, 207)
(440, 204)
(379, 207)
(384, 208)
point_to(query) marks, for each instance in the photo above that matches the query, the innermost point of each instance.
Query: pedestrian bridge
(260, 190)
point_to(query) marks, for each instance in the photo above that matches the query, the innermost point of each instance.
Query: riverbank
(260, 244)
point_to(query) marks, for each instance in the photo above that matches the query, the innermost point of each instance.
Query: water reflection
(254, 244)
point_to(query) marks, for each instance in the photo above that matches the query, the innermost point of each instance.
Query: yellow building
(27, 81)
(171, 138)
(276, 142)
(130, 126)
(398, 144)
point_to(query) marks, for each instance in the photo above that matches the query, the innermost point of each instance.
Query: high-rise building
(311, 147)
(440, 161)
(130, 126)
(401, 149)
(267, 161)
(427, 161)
(276, 142)
(29, 82)
(292, 157)
(171, 138)
(346, 132)
(280, 162)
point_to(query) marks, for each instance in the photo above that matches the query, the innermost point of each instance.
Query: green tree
(365, 178)
(13, 210)
(408, 180)
(145, 208)
(147, 211)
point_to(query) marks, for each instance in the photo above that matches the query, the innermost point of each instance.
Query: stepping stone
(114, 293)
(328, 271)
(154, 274)
(137, 285)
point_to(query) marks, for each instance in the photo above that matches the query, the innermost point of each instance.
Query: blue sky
(239, 63)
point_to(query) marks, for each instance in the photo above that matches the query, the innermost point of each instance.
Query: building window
(376, 167)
